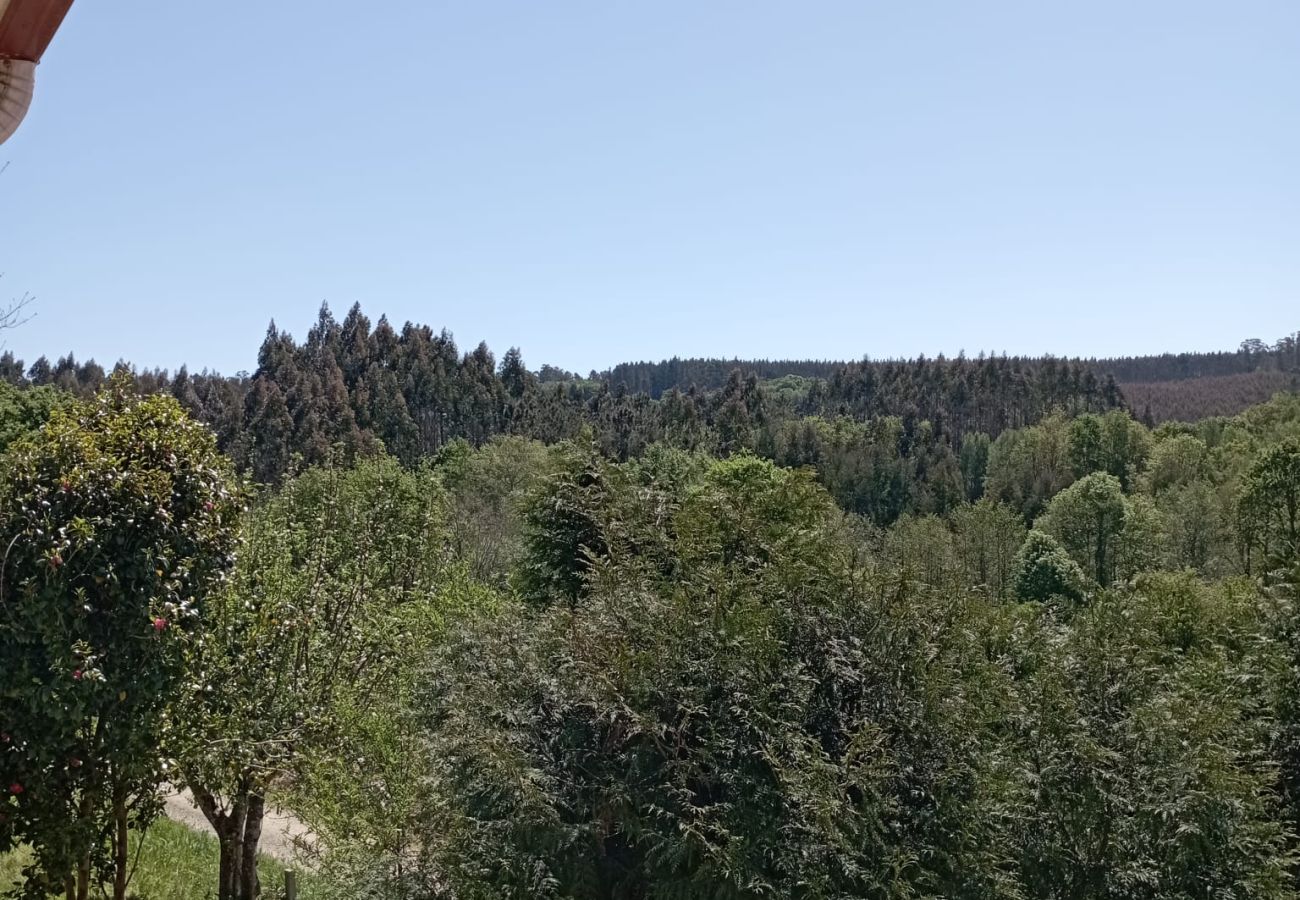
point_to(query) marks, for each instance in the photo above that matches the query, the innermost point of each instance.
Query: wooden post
(290, 884)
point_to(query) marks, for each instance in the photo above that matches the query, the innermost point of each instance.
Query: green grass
(176, 864)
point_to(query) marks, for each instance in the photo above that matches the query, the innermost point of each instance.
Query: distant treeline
(352, 387)
(1251, 356)
(655, 378)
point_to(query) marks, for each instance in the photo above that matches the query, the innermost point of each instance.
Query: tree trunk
(249, 886)
(121, 856)
(82, 875)
(83, 878)
(239, 832)
(231, 847)
(229, 827)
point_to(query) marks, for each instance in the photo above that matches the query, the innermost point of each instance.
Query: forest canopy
(933, 628)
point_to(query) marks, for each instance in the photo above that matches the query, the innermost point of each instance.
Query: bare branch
(16, 312)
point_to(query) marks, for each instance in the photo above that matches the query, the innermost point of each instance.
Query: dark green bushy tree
(118, 519)
(1043, 570)
(23, 411)
(1271, 498)
(561, 531)
(753, 720)
(973, 460)
(1145, 750)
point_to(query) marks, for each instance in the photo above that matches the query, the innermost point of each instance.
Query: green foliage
(119, 518)
(329, 566)
(789, 390)
(986, 538)
(1111, 443)
(1177, 461)
(1270, 500)
(740, 414)
(1109, 535)
(488, 489)
(333, 597)
(1144, 754)
(973, 460)
(361, 791)
(755, 722)
(1274, 422)
(1043, 570)
(1198, 527)
(591, 508)
(1085, 447)
(1029, 466)
(1143, 542)
(921, 548)
(745, 513)
(24, 410)
(876, 468)
(561, 530)
(1283, 605)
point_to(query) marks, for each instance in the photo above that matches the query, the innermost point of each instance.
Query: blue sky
(603, 181)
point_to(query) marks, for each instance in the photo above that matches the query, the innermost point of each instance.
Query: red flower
(76, 675)
(160, 624)
(15, 788)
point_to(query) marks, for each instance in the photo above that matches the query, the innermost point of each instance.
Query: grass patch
(176, 864)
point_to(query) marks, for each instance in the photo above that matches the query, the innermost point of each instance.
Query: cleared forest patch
(1190, 399)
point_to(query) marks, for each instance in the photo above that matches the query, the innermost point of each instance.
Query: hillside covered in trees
(914, 629)
(1060, 663)
(354, 386)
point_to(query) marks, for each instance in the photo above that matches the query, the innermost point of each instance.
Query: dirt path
(281, 831)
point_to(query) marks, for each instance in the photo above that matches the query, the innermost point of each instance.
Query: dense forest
(350, 388)
(967, 628)
(656, 378)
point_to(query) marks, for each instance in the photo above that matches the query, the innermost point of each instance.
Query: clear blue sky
(598, 181)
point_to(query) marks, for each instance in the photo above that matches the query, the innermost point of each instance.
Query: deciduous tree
(336, 575)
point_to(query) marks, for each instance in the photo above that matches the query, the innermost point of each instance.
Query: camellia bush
(118, 518)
